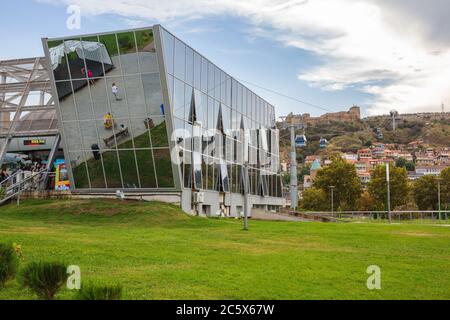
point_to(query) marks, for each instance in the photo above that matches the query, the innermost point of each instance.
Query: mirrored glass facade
(218, 124)
(142, 110)
(112, 110)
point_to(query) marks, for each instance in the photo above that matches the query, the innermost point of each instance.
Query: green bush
(44, 278)
(93, 291)
(9, 262)
(2, 193)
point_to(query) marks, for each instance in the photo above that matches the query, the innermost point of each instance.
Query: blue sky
(327, 61)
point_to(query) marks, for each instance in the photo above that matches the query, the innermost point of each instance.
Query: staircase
(21, 181)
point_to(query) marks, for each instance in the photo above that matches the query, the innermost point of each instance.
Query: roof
(316, 165)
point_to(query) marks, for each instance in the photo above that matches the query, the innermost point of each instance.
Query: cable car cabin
(300, 141)
(323, 143)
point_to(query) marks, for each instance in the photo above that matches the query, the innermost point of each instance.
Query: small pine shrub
(93, 291)
(9, 263)
(45, 279)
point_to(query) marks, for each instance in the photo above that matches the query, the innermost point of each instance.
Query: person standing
(115, 91)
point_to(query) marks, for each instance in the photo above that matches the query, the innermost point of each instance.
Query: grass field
(156, 252)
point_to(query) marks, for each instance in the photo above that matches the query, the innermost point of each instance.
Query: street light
(246, 195)
(439, 196)
(388, 192)
(332, 200)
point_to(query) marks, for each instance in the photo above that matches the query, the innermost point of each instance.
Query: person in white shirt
(115, 91)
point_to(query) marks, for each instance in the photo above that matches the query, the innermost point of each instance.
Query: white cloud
(394, 50)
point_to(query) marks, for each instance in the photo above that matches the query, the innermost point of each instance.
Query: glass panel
(83, 100)
(217, 82)
(189, 66)
(72, 135)
(168, 48)
(146, 168)
(115, 133)
(158, 133)
(110, 43)
(211, 73)
(127, 50)
(94, 54)
(163, 168)
(95, 169)
(146, 51)
(204, 75)
(112, 171)
(117, 97)
(128, 166)
(100, 100)
(223, 87)
(187, 169)
(180, 59)
(89, 133)
(197, 71)
(140, 131)
(153, 94)
(80, 174)
(135, 96)
(66, 100)
(58, 59)
(226, 115)
(178, 99)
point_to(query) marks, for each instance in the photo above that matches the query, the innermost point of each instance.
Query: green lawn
(157, 252)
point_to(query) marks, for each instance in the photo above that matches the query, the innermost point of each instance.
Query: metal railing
(409, 216)
(19, 182)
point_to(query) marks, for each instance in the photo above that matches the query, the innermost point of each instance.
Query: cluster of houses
(429, 161)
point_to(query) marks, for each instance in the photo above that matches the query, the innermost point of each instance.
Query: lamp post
(293, 169)
(245, 195)
(332, 200)
(388, 192)
(439, 197)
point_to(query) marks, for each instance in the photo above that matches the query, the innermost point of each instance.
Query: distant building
(425, 161)
(365, 154)
(364, 177)
(350, 157)
(352, 115)
(307, 182)
(310, 159)
(429, 170)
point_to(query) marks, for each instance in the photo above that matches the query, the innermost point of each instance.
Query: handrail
(10, 177)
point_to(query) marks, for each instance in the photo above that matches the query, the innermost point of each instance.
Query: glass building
(142, 112)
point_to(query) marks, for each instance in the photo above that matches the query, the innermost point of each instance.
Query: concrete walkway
(276, 217)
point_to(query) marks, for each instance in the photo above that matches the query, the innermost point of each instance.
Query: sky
(378, 54)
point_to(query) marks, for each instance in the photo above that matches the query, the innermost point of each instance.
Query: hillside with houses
(420, 143)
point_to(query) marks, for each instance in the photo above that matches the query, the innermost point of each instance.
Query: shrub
(2, 193)
(93, 291)
(9, 262)
(44, 278)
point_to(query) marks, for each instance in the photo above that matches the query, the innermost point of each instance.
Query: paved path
(276, 217)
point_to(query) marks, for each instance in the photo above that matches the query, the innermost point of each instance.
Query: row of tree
(349, 194)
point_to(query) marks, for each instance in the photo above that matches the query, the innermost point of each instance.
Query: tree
(366, 202)
(343, 177)
(403, 163)
(426, 193)
(445, 188)
(400, 163)
(399, 186)
(314, 199)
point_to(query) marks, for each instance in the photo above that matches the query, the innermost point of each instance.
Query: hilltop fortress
(352, 115)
